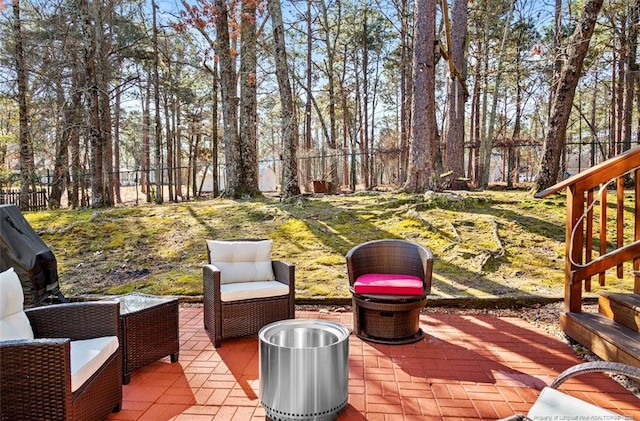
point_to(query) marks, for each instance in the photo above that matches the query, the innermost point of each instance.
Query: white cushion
(13, 322)
(241, 261)
(249, 290)
(552, 403)
(87, 356)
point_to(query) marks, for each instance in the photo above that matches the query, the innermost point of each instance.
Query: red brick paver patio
(468, 367)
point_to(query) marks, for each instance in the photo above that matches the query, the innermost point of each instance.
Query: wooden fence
(37, 199)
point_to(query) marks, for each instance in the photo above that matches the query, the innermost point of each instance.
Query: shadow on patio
(468, 367)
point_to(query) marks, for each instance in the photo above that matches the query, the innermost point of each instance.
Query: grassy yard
(486, 244)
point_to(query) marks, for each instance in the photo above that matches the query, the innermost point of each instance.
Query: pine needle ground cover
(486, 244)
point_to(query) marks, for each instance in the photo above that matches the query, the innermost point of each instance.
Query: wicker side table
(148, 330)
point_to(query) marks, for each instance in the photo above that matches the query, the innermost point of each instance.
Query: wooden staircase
(614, 332)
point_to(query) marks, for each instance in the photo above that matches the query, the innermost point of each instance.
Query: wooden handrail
(596, 175)
(579, 225)
(606, 261)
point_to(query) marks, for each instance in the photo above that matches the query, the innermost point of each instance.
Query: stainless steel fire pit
(303, 369)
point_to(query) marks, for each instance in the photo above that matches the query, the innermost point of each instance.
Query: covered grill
(23, 249)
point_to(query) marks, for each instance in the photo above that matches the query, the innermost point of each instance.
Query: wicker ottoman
(148, 330)
(388, 322)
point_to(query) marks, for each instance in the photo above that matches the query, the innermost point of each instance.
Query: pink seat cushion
(388, 283)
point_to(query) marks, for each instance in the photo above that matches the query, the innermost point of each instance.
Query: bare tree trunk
(563, 99)
(77, 180)
(365, 106)
(248, 102)
(290, 185)
(69, 130)
(103, 77)
(512, 172)
(157, 123)
(487, 141)
(474, 147)
(308, 182)
(454, 158)
(406, 89)
(214, 132)
(619, 87)
(372, 137)
(482, 140)
(106, 138)
(631, 73)
(421, 174)
(194, 154)
(89, 26)
(229, 99)
(346, 164)
(557, 50)
(26, 146)
(330, 25)
(145, 161)
(178, 148)
(116, 143)
(168, 105)
(168, 136)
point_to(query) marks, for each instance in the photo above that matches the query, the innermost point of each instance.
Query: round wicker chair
(389, 318)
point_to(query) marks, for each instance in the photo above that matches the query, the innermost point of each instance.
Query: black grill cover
(33, 261)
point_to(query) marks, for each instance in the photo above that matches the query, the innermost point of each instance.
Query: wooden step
(606, 338)
(623, 308)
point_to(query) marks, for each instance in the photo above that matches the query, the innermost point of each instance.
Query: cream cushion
(249, 290)
(241, 261)
(88, 355)
(553, 403)
(14, 324)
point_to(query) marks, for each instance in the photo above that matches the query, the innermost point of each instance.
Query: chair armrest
(284, 272)
(34, 373)
(426, 256)
(211, 280)
(595, 367)
(75, 320)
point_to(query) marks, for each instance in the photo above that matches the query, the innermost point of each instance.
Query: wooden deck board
(606, 338)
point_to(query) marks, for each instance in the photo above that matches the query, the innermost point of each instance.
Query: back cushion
(242, 261)
(13, 322)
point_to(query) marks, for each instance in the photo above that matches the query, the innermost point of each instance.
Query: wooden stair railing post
(636, 261)
(620, 221)
(574, 240)
(603, 232)
(588, 255)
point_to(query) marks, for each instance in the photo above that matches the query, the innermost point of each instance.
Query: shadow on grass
(339, 235)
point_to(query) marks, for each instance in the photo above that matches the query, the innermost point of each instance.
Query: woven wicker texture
(224, 320)
(35, 375)
(149, 333)
(390, 319)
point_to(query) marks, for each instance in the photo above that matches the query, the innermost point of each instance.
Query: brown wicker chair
(382, 318)
(35, 374)
(233, 318)
(562, 406)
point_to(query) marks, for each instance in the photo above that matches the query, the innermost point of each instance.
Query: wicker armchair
(552, 402)
(387, 316)
(36, 379)
(237, 300)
